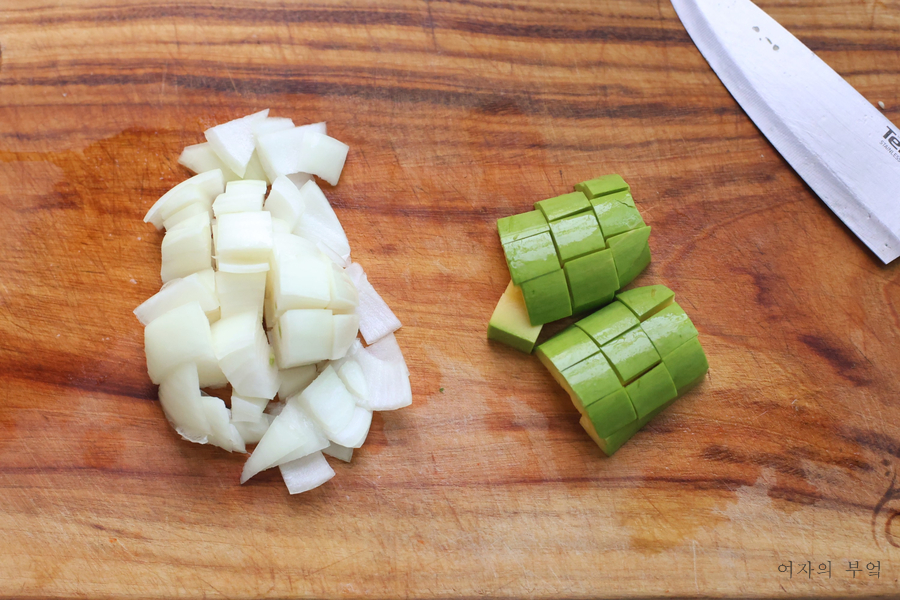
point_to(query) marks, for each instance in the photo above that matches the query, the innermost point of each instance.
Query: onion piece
(244, 355)
(223, 435)
(346, 327)
(300, 179)
(279, 151)
(187, 248)
(320, 224)
(244, 239)
(339, 452)
(387, 349)
(178, 337)
(179, 396)
(291, 432)
(247, 410)
(353, 377)
(328, 403)
(192, 209)
(233, 141)
(387, 381)
(376, 320)
(303, 337)
(344, 296)
(251, 433)
(270, 124)
(201, 158)
(236, 202)
(356, 431)
(285, 201)
(306, 473)
(294, 381)
(209, 185)
(178, 292)
(252, 187)
(240, 292)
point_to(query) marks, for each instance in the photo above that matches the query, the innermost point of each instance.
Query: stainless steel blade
(835, 139)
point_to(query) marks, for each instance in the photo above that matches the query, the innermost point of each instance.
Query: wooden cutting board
(457, 114)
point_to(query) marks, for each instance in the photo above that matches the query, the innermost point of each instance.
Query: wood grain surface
(456, 114)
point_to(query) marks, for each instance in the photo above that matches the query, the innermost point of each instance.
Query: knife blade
(834, 138)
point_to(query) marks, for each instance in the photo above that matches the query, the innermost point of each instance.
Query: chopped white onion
(303, 337)
(279, 264)
(236, 202)
(252, 187)
(201, 158)
(344, 297)
(353, 377)
(192, 209)
(346, 327)
(178, 292)
(245, 409)
(306, 473)
(208, 185)
(328, 403)
(356, 431)
(240, 292)
(244, 239)
(179, 395)
(290, 433)
(187, 248)
(223, 434)
(270, 124)
(244, 355)
(387, 349)
(280, 151)
(376, 319)
(178, 337)
(387, 382)
(294, 381)
(339, 452)
(233, 141)
(251, 433)
(285, 202)
(320, 224)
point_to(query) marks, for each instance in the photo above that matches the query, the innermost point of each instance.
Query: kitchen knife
(835, 139)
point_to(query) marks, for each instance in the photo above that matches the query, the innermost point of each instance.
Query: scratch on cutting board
(694, 550)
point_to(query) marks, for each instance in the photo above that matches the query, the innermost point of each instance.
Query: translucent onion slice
(192, 209)
(353, 377)
(356, 431)
(223, 435)
(339, 452)
(209, 185)
(179, 337)
(376, 319)
(346, 328)
(328, 403)
(187, 248)
(306, 473)
(285, 201)
(291, 432)
(387, 382)
(251, 433)
(294, 381)
(240, 292)
(246, 409)
(178, 292)
(179, 395)
(201, 158)
(233, 141)
(236, 202)
(320, 224)
(279, 151)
